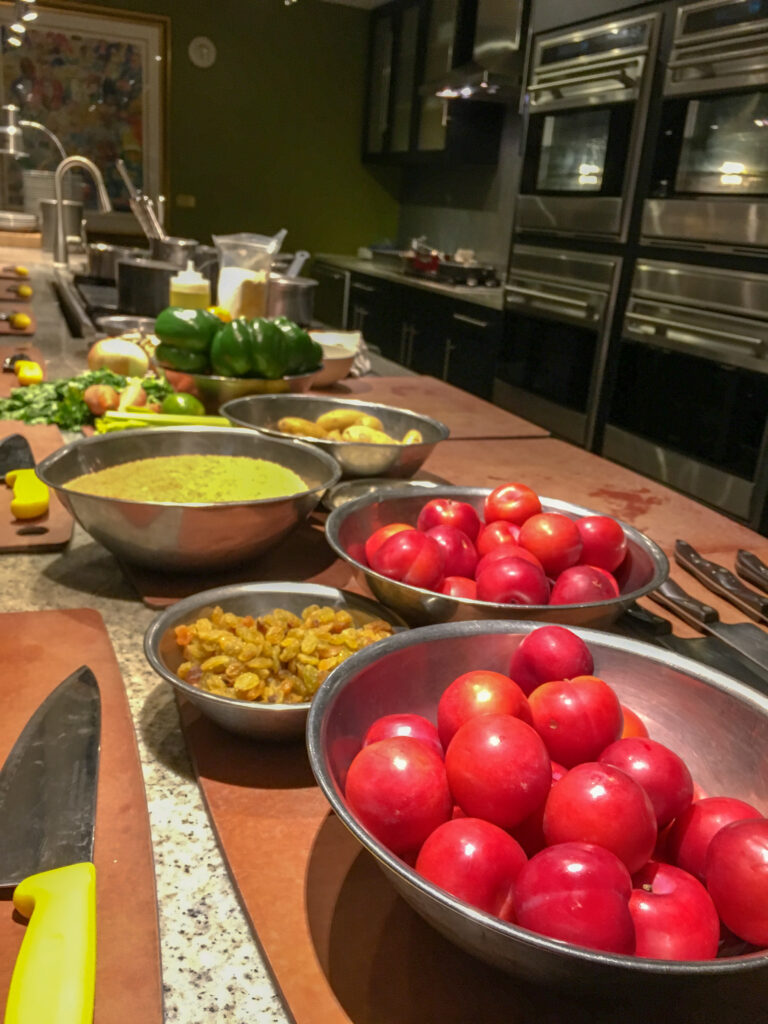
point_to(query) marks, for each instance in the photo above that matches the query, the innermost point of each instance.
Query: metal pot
(174, 250)
(292, 297)
(143, 285)
(102, 258)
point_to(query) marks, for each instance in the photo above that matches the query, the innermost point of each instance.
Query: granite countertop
(212, 967)
(492, 298)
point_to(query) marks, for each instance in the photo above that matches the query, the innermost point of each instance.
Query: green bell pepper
(181, 359)
(231, 350)
(270, 349)
(302, 353)
(189, 329)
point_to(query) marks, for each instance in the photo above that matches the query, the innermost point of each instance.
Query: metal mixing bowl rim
(420, 417)
(255, 380)
(338, 514)
(434, 634)
(217, 595)
(45, 465)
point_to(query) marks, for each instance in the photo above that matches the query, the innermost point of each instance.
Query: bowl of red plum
(459, 553)
(574, 807)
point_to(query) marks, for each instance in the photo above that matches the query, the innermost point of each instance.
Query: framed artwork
(98, 81)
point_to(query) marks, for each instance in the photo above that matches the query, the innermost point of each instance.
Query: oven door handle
(716, 58)
(556, 84)
(565, 300)
(754, 344)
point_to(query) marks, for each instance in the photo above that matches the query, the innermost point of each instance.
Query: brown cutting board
(53, 530)
(466, 416)
(16, 306)
(9, 292)
(343, 947)
(39, 650)
(8, 271)
(8, 380)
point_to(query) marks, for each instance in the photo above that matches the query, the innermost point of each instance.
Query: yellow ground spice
(191, 478)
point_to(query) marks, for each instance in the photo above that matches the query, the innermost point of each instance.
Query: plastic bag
(245, 261)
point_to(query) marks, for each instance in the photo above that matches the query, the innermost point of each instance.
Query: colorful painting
(96, 88)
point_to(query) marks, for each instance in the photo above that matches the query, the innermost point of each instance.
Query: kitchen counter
(492, 298)
(212, 966)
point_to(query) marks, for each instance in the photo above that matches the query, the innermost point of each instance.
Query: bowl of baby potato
(367, 439)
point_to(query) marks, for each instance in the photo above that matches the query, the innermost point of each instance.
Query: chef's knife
(48, 806)
(748, 640)
(15, 453)
(752, 569)
(722, 581)
(31, 497)
(642, 624)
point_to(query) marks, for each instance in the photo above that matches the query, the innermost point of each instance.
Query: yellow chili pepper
(21, 271)
(28, 372)
(223, 314)
(30, 495)
(19, 321)
(24, 291)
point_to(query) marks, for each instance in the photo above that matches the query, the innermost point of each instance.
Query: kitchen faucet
(60, 255)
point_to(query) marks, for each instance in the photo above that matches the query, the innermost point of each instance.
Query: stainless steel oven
(558, 308)
(709, 185)
(586, 107)
(690, 401)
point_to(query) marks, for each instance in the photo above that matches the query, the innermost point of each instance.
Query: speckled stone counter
(212, 967)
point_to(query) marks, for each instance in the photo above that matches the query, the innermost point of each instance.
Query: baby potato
(338, 419)
(334, 435)
(301, 428)
(412, 437)
(367, 435)
(364, 419)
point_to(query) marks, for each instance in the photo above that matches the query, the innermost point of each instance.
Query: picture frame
(98, 79)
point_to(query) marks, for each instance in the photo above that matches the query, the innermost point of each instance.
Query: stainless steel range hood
(496, 69)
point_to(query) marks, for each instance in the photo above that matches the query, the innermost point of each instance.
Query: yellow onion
(119, 356)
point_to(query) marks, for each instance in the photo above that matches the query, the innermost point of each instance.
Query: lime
(180, 403)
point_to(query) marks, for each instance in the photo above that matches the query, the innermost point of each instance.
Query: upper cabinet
(412, 43)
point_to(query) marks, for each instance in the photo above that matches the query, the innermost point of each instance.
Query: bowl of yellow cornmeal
(188, 498)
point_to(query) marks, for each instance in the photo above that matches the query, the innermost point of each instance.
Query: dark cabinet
(413, 42)
(373, 311)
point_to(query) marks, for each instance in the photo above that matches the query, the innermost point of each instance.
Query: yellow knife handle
(31, 496)
(53, 980)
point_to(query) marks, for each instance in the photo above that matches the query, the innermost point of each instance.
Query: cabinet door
(379, 82)
(423, 320)
(473, 336)
(373, 312)
(406, 76)
(441, 39)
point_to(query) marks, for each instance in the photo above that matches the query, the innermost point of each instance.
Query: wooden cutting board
(8, 380)
(343, 947)
(53, 530)
(39, 650)
(465, 415)
(9, 292)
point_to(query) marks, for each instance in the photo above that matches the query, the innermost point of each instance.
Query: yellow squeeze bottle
(30, 495)
(189, 289)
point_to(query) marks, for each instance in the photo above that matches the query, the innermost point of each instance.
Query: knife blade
(642, 624)
(48, 806)
(752, 569)
(722, 581)
(748, 640)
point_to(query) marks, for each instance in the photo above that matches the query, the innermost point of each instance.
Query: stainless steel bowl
(717, 725)
(187, 537)
(113, 326)
(396, 460)
(348, 527)
(260, 721)
(214, 391)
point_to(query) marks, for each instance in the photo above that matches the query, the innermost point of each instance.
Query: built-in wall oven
(558, 307)
(709, 184)
(690, 401)
(587, 99)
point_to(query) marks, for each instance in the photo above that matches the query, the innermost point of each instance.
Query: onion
(119, 356)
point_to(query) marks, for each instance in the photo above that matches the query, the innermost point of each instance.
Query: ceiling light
(17, 26)
(29, 15)
(14, 40)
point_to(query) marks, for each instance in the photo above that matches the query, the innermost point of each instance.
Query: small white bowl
(339, 351)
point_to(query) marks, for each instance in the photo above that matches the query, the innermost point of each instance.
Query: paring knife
(48, 806)
(753, 569)
(642, 624)
(31, 497)
(748, 640)
(722, 581)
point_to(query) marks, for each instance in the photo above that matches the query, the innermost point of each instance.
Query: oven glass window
(549, 358)
(725, 145)
(703, 409)
(573, 151)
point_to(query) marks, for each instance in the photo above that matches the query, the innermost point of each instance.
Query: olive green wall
(269, 137)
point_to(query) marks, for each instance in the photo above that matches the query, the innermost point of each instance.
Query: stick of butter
(30, 495)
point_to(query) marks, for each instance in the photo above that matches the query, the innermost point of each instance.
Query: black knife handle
(752, 569)
(684, 605)
(721, 581)
(645, 621)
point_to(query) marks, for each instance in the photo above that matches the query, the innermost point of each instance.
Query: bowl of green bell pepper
(219, 362)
